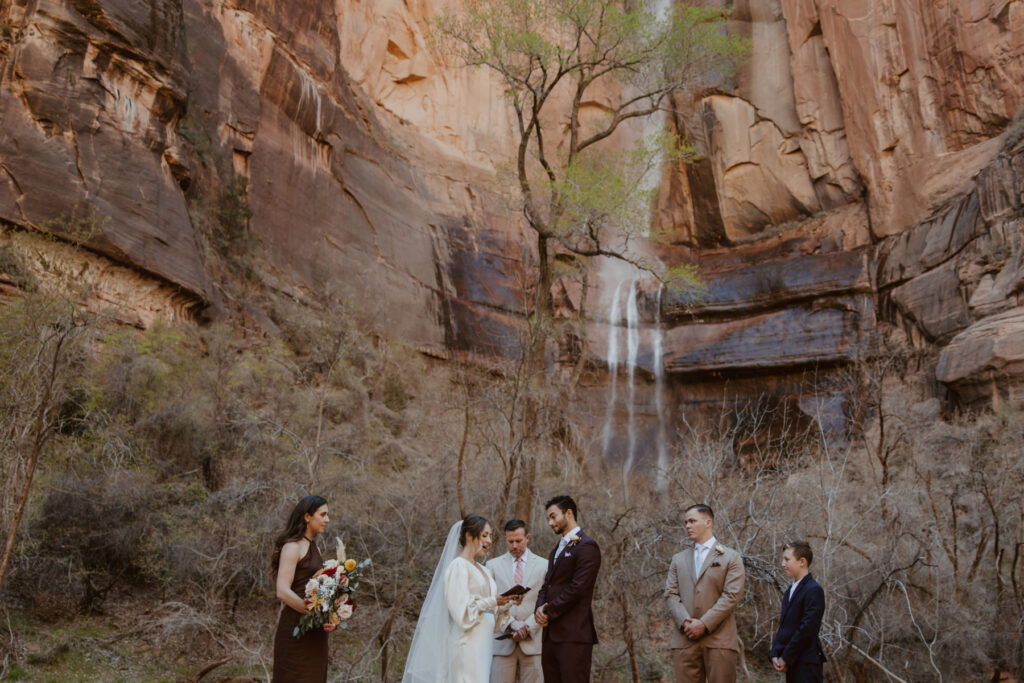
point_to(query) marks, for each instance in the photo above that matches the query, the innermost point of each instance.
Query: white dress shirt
(700, 553)
(565, 541)
(792, 589)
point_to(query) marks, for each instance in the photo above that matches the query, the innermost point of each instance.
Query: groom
(564, 599)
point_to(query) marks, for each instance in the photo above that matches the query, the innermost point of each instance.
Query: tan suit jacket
(536, 567)
(711, 597)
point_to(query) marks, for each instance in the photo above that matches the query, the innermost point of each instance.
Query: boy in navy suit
(797, 651)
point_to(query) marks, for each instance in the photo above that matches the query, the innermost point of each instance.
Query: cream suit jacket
(711, 597)
(501, 569)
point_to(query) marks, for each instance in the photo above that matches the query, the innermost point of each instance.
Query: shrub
(232, 213)
(13, 267)
(1014, 132)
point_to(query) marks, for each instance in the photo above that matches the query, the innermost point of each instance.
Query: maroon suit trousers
(566, 662)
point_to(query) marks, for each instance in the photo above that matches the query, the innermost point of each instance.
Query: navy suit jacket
(797, 640)
(568, 590)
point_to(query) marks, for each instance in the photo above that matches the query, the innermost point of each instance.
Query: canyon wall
(862, 173)
(137, 117)
(866, 175)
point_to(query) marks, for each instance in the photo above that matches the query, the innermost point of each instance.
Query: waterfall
(632, 349)
(613, 368)
(631, 356)
(659, 397)
(649, 182)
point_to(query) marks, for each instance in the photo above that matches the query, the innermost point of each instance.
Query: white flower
(330, 564)
(720, 548)
(312, 586)
(344, 611)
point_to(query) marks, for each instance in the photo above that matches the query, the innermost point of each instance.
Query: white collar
(793, 587)
(707, 546)
(565, 539)
(523, 557)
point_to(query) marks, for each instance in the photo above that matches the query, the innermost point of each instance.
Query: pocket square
(715, 564)
(566, 554)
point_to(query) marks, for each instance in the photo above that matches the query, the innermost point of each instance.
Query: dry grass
(181, 450)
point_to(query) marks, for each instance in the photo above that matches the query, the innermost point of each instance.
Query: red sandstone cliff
(857, 173)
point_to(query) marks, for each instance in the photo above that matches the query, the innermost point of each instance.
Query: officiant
(521, 567)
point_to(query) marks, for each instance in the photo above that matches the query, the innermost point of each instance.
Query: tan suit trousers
(697, 664)
(503, 668)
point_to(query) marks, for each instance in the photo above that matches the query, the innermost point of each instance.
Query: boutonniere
(573, 541)
(720, 549)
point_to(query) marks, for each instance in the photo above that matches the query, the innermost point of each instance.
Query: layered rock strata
(897, 109)
(143, 114)
(839, 98)
(805, 302)
(855, 174)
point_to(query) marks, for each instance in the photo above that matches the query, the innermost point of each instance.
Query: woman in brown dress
(295, 560)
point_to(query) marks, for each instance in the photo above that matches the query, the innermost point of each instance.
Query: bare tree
(555, 59)
(40, 345)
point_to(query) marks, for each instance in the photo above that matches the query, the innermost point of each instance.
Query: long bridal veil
(429, 654)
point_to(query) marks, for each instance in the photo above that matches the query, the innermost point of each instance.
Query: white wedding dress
(454, 634)
(471, 596)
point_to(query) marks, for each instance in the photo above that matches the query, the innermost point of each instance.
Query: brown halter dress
(300, 660)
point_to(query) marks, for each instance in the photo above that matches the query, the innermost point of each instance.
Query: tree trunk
(534, 404)
(42, 430)
(20, 511)
(462, 459)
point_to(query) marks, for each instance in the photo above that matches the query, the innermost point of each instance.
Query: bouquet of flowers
(328, 593)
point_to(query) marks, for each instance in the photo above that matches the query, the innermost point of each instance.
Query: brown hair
(702, 508)
(295, 527)
(472, 526)
(514, 524)
(801, 550)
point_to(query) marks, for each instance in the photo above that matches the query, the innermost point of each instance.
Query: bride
(457, 624)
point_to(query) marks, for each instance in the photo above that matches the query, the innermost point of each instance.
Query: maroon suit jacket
(567, 591)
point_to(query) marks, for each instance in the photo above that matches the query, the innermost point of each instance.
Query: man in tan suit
(703, 587)
(519, 566)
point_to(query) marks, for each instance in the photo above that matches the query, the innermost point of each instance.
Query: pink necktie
(517, 573)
